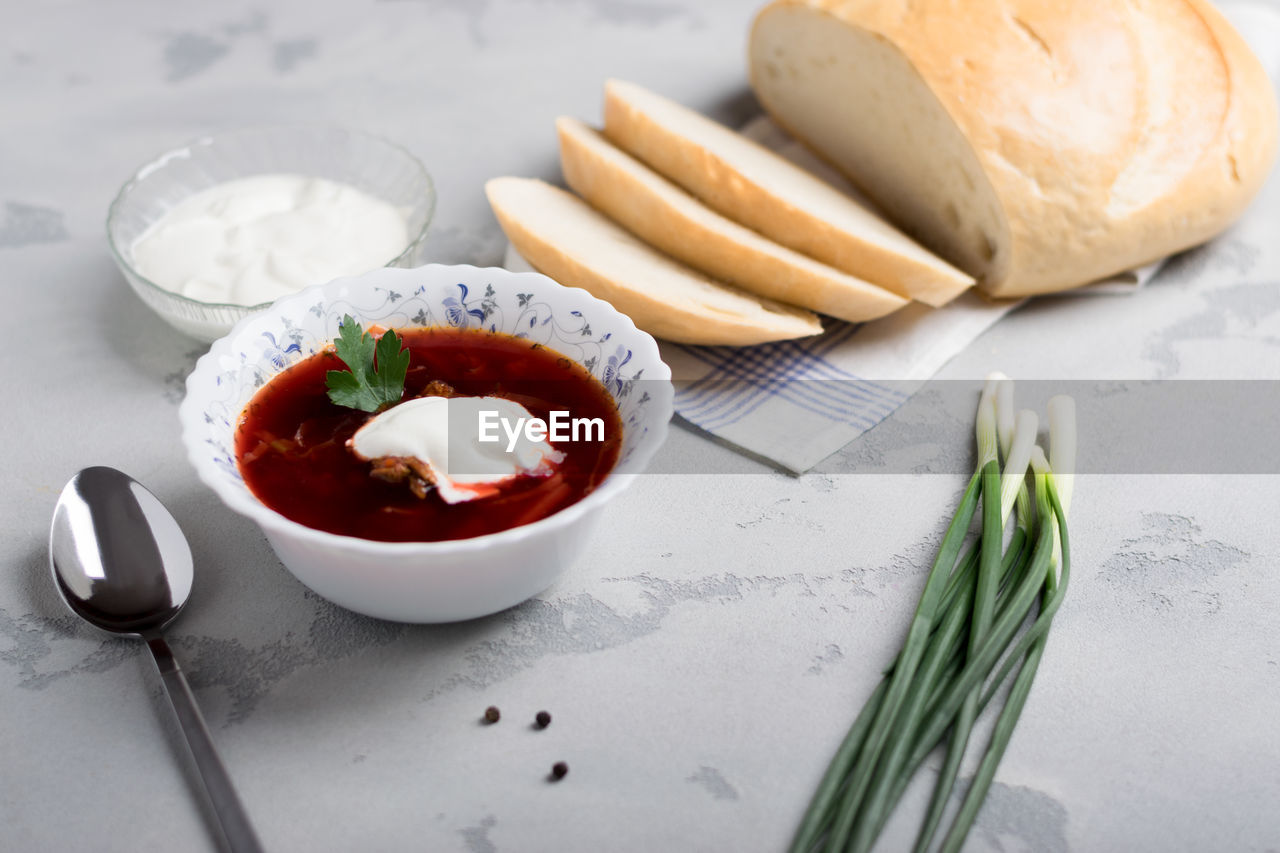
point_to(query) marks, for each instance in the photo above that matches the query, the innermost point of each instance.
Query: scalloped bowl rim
(160, 161)
(241, 500)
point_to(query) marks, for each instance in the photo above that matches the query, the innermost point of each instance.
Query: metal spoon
(121, 563)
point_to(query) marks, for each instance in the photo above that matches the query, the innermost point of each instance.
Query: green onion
(971, 614)
(1016, 446)
(1014, 559)
(904, 669)
(1017, 696)
(818, 817)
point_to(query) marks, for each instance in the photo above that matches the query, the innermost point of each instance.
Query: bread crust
(1111, 134)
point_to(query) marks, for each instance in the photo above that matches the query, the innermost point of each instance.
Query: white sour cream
(464, 468)
(253, 240)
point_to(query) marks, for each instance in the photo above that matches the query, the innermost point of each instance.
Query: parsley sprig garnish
(377, 369)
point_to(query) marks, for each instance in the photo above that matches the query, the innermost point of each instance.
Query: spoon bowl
(119, 559)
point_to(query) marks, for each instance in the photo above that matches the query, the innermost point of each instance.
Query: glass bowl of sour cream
(220, 228)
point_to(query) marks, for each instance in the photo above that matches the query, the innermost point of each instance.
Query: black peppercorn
(543, 719)
(492, 714)
(559, 770)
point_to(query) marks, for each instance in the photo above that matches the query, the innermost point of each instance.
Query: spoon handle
(231, 814)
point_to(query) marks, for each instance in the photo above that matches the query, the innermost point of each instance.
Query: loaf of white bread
(1037, 145)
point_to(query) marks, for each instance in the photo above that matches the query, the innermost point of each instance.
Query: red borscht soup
(291, 443)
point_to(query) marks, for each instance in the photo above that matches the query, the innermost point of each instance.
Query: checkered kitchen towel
(797, 402)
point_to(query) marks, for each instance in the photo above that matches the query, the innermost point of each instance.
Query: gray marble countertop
(706, 656)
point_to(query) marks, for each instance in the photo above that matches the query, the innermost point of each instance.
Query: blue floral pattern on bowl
(525, 305)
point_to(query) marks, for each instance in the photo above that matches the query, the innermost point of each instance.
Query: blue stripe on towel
(812, 366)
(757, 383)
(742, 379)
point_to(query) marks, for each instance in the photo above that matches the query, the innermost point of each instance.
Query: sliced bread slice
(760, 189)
(669, 219)
(570, 241)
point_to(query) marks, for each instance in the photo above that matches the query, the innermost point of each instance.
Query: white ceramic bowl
(370, 163)
(429, 581)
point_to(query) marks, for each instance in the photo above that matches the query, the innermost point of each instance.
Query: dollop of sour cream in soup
(462, 468)
(253, 240)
